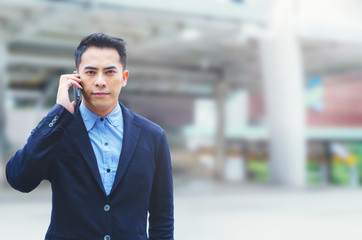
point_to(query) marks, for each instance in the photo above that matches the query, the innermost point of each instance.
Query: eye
(90, 72)
(111, 72)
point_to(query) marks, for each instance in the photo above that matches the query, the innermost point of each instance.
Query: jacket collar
(130, 138)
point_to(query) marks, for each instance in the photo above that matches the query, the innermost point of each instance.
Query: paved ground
(205, 210)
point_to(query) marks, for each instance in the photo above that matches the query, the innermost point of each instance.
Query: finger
(70, 76)
(71, 82)
(73, 77)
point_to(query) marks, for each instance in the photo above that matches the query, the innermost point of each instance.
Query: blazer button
(107, 237)
(106, 207)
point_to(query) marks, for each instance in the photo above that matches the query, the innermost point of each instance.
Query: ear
(125, 77)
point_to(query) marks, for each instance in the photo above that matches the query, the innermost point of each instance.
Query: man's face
(102, 78)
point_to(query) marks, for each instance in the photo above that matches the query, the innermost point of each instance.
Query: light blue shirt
(106, 136)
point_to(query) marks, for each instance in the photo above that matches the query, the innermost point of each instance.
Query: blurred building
(246, 89)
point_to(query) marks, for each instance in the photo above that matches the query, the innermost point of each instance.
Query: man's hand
(65, 82)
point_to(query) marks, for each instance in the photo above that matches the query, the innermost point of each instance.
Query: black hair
(101, 40)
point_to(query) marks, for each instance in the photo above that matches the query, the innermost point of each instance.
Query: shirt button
(108, 170)
(102, 120)
(106, 144)
(107, 237)
(106, 207)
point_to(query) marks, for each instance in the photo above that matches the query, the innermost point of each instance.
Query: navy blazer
(59, 150)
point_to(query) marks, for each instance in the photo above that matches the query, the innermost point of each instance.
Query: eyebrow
(110, 67)
(94, 68)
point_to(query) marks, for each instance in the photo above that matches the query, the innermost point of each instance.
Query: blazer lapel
(131, 133)
(80, 135)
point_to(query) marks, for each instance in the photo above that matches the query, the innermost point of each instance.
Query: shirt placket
(107, 158)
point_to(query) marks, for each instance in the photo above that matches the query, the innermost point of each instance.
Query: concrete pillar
(220, 156)
(328, 179)
(284, 96)
(3, 87)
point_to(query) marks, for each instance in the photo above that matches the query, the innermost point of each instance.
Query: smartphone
(77, 96)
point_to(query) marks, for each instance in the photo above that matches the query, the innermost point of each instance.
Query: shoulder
(142, 122)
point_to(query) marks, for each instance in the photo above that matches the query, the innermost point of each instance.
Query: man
(108, 167)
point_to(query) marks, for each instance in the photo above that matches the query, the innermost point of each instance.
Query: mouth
(100, 94)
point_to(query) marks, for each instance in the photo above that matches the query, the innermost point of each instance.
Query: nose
(100, 82)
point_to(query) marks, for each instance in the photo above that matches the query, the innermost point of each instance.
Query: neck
(102, 112)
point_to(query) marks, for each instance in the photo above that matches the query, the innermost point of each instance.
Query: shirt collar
(115, 117)
(89, 117)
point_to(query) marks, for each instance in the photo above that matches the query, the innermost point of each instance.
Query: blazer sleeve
(161, 218)
(30, 165)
